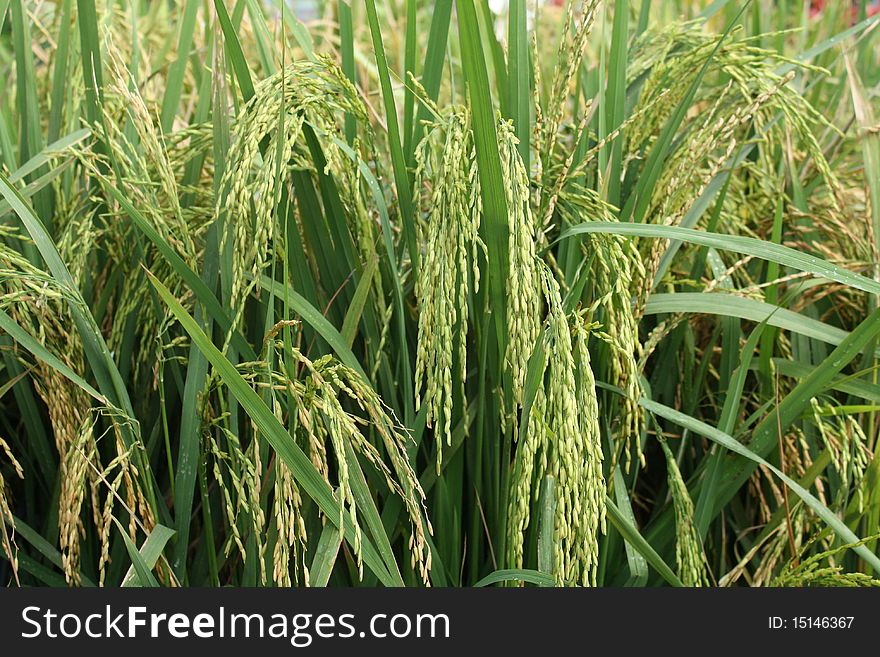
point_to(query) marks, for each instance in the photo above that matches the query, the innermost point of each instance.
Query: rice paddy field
(439, 293)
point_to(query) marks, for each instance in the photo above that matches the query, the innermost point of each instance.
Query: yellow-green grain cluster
(690, 558)
(563, 440)
(449, 273)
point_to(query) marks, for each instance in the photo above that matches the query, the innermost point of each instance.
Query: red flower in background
(816, 7)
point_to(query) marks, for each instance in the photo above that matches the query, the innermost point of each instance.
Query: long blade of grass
(149, 552)
(782, 255)
(432, 69)
(50, 151)
(728, 442)
(638, 565)
(398, 161)
(518, 75)
(516, 575)
(174, 81)
(731, 305)
(615, 95)
(234, 52)
(703, 509)
(870, 143)
(363, 498)
(59, 78)
(325, 555)
(90, 51)
(145, 578)
(488, 162)
(358, 301)
(632, 536)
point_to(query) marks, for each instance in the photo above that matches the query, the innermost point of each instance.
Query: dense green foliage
(416, 294)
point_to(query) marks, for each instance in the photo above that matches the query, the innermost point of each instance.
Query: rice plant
(438, 294)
